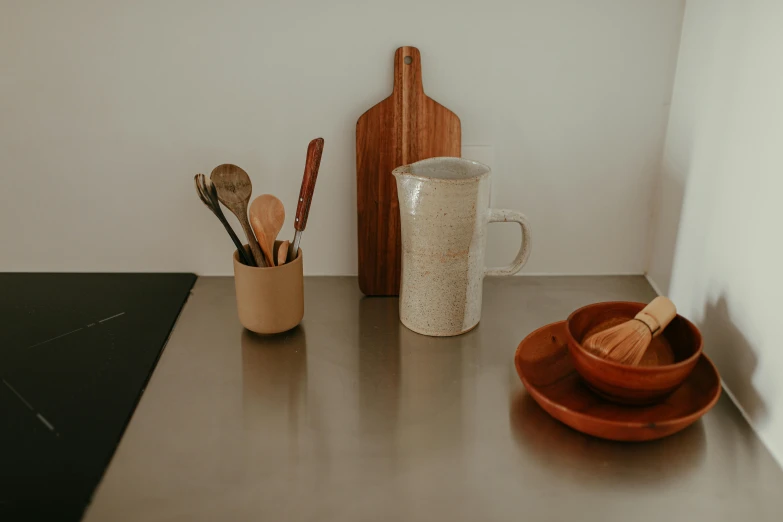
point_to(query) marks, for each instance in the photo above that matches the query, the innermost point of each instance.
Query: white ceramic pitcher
(444, 212)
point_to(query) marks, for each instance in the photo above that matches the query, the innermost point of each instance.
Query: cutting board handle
(407, 71)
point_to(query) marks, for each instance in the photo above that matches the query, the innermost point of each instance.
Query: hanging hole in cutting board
(408, 60)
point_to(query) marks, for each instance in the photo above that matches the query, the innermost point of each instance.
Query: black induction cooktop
(76, 351)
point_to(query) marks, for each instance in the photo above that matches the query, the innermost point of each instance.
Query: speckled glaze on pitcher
(444, 212)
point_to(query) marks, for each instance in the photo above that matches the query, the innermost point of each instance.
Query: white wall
(717, 247)
(108, 109)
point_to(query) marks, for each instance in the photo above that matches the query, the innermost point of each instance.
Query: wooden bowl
(667, 363)
(546, 368)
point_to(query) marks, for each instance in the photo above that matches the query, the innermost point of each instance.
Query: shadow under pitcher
(444, 212)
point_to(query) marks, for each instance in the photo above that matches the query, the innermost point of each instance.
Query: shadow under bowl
(668, 361)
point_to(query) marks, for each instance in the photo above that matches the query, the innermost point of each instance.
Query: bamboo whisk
(627, 342)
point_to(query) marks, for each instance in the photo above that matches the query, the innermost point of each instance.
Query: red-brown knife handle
(314, 151)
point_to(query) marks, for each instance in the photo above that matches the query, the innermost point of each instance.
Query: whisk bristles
(624, 343)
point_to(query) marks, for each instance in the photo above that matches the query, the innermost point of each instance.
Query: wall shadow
(734, 356)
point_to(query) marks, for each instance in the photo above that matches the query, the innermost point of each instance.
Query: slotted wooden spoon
(208, 195)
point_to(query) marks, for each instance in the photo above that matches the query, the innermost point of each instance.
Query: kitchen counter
(352, 417)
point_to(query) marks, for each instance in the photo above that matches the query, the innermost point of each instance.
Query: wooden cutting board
(406, 127)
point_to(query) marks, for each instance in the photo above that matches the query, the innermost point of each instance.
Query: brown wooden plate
(547, 371)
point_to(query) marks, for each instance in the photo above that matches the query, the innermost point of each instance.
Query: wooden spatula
(267, 215)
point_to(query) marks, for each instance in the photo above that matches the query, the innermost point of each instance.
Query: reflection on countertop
(274, 387)
(597, 463)
(351, 416)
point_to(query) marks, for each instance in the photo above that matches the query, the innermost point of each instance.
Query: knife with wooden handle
(312, 164)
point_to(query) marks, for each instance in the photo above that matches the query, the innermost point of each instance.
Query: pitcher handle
(501, 216)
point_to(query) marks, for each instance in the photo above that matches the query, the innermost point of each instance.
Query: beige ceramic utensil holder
(270, 300)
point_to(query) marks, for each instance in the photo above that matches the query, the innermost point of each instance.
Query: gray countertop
(352, 417)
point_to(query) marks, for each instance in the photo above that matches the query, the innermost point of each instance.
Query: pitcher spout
(444, 169)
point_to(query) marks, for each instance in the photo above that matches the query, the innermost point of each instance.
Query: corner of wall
(653, 284)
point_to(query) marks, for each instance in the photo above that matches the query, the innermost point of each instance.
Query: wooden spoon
(282, 253)
(267, 215)
(208, 195)
(233, 190)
